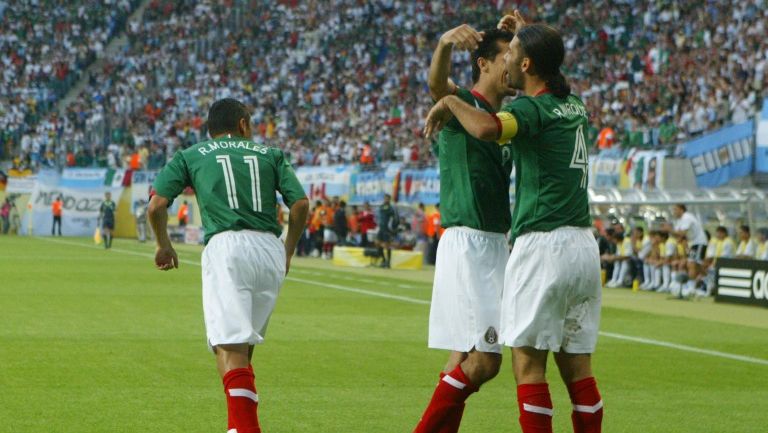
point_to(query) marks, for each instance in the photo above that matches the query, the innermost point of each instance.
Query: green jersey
(235, 181)
(474, 176)
(550, 163)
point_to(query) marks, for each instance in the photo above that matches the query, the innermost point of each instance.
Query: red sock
(443, 415)
(535, 408)
(230, 414)
(587, 413)
(242, 400)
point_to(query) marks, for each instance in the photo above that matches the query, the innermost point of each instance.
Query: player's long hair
(488, 48)
(544, 46)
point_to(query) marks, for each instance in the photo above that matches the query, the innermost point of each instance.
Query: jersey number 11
(229, 180)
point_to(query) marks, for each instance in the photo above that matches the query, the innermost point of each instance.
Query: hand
(511, 23)
(166, 258)
(462, 37)
(438, 116)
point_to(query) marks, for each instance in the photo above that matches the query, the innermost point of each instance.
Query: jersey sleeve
(173, 178)
(288, 184)
(519, 118)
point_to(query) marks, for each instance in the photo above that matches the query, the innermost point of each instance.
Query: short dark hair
(721, 229)
(488, 48)
(544, 46)
(745, 228)
(682, 206)
(224, 116)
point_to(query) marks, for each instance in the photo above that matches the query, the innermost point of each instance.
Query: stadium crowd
(344, 81)
(46, 46)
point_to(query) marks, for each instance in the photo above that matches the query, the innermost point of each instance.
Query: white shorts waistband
(471, 231)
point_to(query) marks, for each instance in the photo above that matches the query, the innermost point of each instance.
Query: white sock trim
(242, 392)
(538, 409)
(453, 382)
(588, 409)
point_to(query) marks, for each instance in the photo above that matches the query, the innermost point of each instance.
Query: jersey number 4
(229, 180)
(579, 159)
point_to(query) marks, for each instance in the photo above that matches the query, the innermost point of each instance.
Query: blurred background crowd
(352, 89)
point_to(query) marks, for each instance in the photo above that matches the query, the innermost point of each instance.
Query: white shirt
(692, 228)
(746, 248)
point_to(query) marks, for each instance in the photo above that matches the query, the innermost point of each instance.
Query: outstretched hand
(438, 116)
(511, 23)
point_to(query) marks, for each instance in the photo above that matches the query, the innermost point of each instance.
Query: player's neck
(533, 86)
(489, 94)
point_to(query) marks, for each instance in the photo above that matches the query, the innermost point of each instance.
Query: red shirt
(366, 221)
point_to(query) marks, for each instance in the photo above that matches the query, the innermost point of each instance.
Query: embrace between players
(544, 296)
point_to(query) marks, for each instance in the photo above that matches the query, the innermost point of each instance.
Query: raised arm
(462, 37)
(478, 123)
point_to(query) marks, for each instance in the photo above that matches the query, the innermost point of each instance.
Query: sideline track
(648, 341)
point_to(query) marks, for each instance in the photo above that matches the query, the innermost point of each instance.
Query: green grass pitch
(99, 341)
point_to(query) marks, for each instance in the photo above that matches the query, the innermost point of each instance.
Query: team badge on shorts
(490, 335)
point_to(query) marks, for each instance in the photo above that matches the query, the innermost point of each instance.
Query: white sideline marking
(361, 291)
(685, 348)
(648, 341)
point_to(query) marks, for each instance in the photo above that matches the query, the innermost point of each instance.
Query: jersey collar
(482, 99)
(543, 91)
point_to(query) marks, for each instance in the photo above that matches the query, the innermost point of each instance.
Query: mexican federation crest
(491, 337)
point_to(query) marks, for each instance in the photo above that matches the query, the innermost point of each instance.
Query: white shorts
(242, 274)
(466, 295)
(329, 236)
(552, 292)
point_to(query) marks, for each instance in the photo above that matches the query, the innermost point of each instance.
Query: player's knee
(482, 366)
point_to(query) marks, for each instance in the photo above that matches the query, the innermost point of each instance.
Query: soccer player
(387, 222)
(551, 299)
(244, 262)
(107, 218)
(688, 226)
(474, 210)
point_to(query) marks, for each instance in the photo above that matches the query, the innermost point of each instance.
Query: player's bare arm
(297, 219)
(165, 255)
(463, 37)
(478, 123)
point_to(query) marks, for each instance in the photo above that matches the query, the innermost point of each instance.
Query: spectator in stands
(761, 247)
(747, 247)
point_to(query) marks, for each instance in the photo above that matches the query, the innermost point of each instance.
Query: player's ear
(525, 64)
(482, 64)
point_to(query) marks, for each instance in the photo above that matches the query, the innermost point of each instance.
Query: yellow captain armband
(507, 127)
